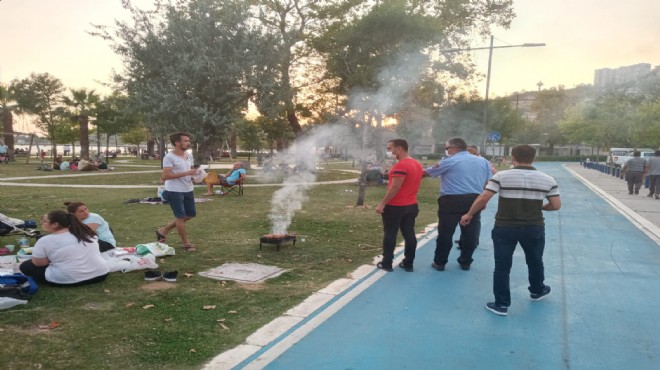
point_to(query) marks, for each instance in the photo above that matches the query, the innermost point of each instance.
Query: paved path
(602, 261)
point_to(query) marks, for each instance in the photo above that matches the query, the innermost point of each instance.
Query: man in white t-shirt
(177, 174)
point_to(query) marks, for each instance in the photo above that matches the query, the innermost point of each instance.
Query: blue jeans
(397, 218)
(532, 241)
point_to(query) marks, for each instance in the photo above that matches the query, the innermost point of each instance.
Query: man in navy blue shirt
(462, 178)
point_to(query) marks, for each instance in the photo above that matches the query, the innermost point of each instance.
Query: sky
(581, 36)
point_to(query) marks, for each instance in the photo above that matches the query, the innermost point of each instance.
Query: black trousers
(38, 273)
(397, 218)
(450, 210)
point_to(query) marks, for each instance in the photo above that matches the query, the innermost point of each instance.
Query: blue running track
(603, 312)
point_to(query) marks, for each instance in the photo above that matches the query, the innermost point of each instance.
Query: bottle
(23, 242)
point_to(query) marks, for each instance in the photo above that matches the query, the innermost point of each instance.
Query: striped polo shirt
(522, 190)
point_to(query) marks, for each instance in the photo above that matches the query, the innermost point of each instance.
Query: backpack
(17, 286)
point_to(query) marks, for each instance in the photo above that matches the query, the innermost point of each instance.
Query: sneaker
(220, 192)
(407, 268)
(438, 267)
(170, 276)
(636, 192)
(650, 195)
(540, 296)
(152, 275)
(497, 309)
(384, 267)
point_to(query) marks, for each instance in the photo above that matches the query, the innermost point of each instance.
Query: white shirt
(182, 184)
(70, 261)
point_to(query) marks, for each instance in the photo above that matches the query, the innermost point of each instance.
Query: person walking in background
(177, 174)
(653, 168)
(462, 178)
(519, 219)
(634, 171)
(398, 207)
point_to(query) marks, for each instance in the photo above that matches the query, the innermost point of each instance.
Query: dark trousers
(397, 218)
(654, 184)
(38, 273)
(450, 210)
(532, 241)
(634, 180)
(105, 246)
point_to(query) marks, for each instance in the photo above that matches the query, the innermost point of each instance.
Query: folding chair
(236, 189)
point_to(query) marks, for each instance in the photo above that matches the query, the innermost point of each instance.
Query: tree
(550, 106)
(40, 95)
(135, 136)
(190, 66)
(7, 107)
(250, 135)
(83, 104)
(384, 55)
(114, 116)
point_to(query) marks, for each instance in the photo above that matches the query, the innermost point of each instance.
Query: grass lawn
(127, 322)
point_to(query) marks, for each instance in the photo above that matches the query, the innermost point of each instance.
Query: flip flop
(160, 237)
(189, 248)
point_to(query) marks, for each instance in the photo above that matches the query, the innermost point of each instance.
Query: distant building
(610, 77)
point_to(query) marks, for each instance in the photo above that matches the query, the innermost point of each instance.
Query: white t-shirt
(182, 184)
(70, 261)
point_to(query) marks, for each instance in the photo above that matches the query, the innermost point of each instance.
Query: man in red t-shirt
(399, 206)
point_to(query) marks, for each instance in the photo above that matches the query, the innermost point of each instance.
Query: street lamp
(490, 60)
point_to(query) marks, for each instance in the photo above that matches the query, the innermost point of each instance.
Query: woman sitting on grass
(68, 256)
(95, 222)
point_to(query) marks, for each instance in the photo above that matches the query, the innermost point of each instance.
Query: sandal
(383, 267)
(189, 248)
(160, 237)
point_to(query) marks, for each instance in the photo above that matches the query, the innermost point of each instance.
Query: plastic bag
(156, 248)
(199, 176)
(7, 302)
(128, 263)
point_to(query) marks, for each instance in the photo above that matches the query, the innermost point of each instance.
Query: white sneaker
(219, 192)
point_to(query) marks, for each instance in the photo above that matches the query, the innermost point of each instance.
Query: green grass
(104, 326)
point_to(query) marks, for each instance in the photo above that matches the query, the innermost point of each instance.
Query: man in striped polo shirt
(519, 219)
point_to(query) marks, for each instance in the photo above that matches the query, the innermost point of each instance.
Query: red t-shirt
(412, 171)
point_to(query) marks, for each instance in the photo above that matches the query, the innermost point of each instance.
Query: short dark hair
(523, 153)
(657, 153)
(637, 153)
(177, 137)
(399, 143)
(458, 143)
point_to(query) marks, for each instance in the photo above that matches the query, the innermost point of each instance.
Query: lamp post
(490, 60)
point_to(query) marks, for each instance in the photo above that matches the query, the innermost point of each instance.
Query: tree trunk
(107, 149)
(380, 154)
(233, 153)
(84, 137)
(8, 126)
(293, 121)
(363, 168)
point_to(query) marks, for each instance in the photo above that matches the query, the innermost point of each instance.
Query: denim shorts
(182, 204)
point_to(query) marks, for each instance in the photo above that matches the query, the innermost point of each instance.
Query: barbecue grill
(277, 240)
